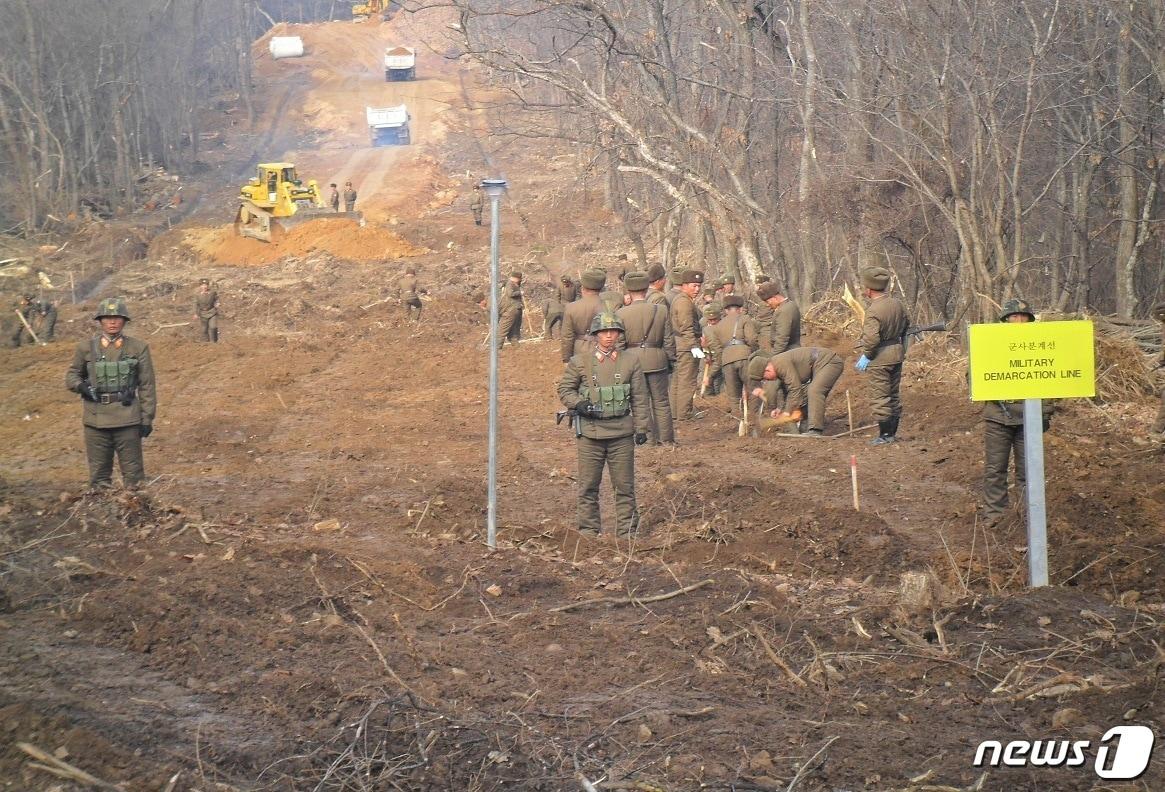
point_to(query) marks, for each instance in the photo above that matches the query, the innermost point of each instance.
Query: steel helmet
(606, 321)
(112, 306)
(1016, 306)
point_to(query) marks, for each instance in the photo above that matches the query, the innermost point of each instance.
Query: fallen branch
(630, 600)
(805, 768)
(61, 769)
(172, 324)
(778, 661)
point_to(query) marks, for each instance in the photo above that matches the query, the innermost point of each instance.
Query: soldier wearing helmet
(114, 375)
(1159, 424)
(607, 390)
(1003, 434)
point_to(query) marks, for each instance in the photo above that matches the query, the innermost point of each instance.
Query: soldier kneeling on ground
(606, 390)
(114, 375)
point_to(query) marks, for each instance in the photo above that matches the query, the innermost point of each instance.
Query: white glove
(697, 353)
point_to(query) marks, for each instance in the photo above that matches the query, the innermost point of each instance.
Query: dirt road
(301, 599)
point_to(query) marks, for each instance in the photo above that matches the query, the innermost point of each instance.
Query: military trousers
(618, 455)
(661, 426)
(209, 328)
(510, 327)
(552, 319)
(885, 383)
(734, 376)
(48, 327)
(1001, 442)
(414, 304)
(683, 385)
(101, 445)
(824, 378)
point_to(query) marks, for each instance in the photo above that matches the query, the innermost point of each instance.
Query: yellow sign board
(1032, 360)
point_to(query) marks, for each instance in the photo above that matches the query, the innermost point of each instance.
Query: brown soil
(301, 599)
(339, 237)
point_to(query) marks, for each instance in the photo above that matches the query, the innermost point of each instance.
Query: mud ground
(302, 599)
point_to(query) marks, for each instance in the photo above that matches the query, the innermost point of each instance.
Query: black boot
(885, 433)
(894, 425)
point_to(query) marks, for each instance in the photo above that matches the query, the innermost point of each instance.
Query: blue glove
(862, 364)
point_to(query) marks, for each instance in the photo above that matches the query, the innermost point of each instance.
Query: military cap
(594, 279)
(762, 278)
(1159, 312)
(712, 311)
(636, 281)
(876, 278)
(1016, 306)
(565, 279)
(516, 274)
(204, 281)
(708, 288)
(691, 276)
(112, 306)
(728, 279)
(655, 272)
(757, 365)
(410, 270)
(733, 301)
(767, 290)
(606, 321)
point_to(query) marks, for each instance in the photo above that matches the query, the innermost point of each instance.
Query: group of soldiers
(633, 366)
(349, 197)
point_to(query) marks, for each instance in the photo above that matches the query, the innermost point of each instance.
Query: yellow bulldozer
(276, 198)
(370, 9)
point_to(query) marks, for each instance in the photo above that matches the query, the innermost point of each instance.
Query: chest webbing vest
(614, 401)
(113, 376)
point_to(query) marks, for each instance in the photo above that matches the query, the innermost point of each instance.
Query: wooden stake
(742, 427)
(28, 327)
(849, 408)
(853, 477)
(72, 287)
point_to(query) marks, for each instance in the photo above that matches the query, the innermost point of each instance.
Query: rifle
(916, 332)
(575, 420)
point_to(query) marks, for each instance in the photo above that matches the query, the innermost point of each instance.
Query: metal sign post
(1033, 361)
(494, 188)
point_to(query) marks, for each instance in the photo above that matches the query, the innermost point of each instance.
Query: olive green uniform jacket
(881, 341)
(786, 327)
(141, 409)
(576, 325)
(624, 369)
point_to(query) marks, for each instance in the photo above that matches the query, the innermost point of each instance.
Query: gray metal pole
(494, 281)
(1037, 517)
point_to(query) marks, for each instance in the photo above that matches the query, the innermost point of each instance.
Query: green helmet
(112, 306)
(606, 321)
(1016, 306)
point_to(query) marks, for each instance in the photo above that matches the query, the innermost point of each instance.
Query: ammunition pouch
(611, 401)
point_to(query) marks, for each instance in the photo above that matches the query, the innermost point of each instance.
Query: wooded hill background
(980, 148)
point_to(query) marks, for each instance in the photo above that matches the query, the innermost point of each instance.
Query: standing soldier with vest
(883, 351)
(607, 390)
(206, 310)
(685, 324)
(115, 377)
(785, 332)
(647, 333)
(578, 315)
(1003, 433)
(565, 293)
(349, 197)
(806, 375)
(1159, 424)
(409, 292)
(730, 343)
(510, 310)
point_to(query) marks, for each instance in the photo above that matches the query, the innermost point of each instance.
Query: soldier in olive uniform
(1003, 433)
(20, 334)
(115, 377)
(730, 343)
(725, 287)
(349, 197)
(762, 314)
(565, 293)
(1159, 315)
(510, 311)
(607, 389)
(805, 375)
(711, 384)
(883, 351)
(685, 324)
(476, 204)
(576, 319)
(206, 310)
(648, 336)
(785, 326)
(46, 315)
(409, 292)
(334, 198)
(658, 294)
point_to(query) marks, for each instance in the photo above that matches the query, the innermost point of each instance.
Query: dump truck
(277, 199)
(400, 63)
(388, 126)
